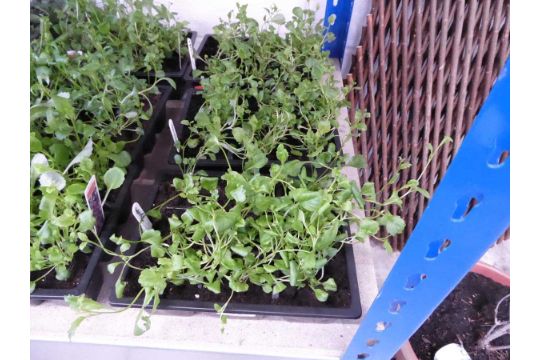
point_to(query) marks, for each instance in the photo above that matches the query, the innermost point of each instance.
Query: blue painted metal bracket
(342, 9)
(452, 235)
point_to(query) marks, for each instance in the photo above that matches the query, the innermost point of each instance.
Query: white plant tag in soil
(140, 216)
(93, 200)
(191, 54)
(452, 352)
(173, 133)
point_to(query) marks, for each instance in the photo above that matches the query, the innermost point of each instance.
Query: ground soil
(77, 267)
(210, 49)
(465, 316)
(336, 269)
(131, 135)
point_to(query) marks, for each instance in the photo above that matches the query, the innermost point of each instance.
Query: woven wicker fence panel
(423, 70)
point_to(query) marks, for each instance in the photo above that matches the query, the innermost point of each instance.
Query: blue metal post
(342, 9)
(452, 235)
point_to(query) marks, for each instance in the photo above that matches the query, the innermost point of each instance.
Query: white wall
(202, 15)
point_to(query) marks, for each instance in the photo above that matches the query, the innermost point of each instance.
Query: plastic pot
(407, 352)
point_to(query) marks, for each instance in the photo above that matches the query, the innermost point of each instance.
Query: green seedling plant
(87, 108)
(245, 229)
(272, 224)
(262, 90)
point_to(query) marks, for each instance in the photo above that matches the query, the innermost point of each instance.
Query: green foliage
(86, 106)
(272, 102)
(266, 96)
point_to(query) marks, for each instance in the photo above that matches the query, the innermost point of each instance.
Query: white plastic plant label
(93, 200)
(191, 54)
(452, 352)
(140, 216)
(173, 132)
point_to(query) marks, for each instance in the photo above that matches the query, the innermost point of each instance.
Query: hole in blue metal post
(382, 325)
(362, 356)
(437, 247)
(336, 2)
(395, 306)
(497, 158)
(372, 342)
(414, 280)
(465, 205)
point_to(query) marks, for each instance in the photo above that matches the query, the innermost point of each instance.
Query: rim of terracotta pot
(407, 353)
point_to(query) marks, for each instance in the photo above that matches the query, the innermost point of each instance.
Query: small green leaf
(327, 238)
(239, 194)
(114, 177)
(119, 287)
(278, 19)
(369, 226)
(214, 287)
(241, 250)
(154, 214)
(332, 19)
(121, 159)
(307, 260)
(330, 285)
(298, 12)
(293, 273)
(423, 192)
(63, 105)
(75, 325)
(82, 303)
(239, 135)
(404, 165)
(209, 183)
(358, 161)
(86, 221)
(282, 153)
(62, 273)
(278, 287)
(238, 286)
(152, 279)
(368, 190)
(321, 295)
(393, 223)
(388, 247)
(112, 266)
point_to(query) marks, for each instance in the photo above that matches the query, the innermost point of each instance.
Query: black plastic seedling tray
(192, 103)
(88, 277)
(172, 68)
(174, 298)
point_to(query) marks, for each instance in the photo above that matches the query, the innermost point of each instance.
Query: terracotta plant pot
(407, 353)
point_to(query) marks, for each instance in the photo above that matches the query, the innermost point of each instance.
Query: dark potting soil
(209, 50)
(173, 63)
(255, 295)
(77, 267)
(130, 136)
(465, 316)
